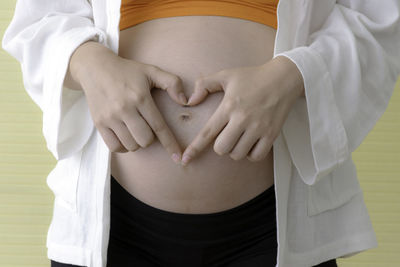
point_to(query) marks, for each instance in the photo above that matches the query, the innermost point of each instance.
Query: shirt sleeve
(42, 36)
(350, 67)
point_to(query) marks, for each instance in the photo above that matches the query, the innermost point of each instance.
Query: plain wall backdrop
(26, 203)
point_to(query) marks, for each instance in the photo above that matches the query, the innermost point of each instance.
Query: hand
(255, 105)
(119, 98)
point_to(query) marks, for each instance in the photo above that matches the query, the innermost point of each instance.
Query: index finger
(153, 117)
(209, 132)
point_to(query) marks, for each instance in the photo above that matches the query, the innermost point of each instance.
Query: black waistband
(257, 212)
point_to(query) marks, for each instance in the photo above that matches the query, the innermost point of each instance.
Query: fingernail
(182, 97)
(190, 99)
(175, 158)
(185, 159)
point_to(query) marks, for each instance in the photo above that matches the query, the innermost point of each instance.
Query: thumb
(169, 82)
(205, 85)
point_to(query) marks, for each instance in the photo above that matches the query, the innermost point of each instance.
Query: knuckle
(116, 148)
(115, 107)
(195, 150)
(238, 99)
(229, 105)
(256, 126)
(169, 144)
(255, 157)
(206, 133)
(149, 141)
(122, 84)
(112, 143)
(241, 120)
(235, 156)
(119, 107)
(139, 98)
(151, 69)
(134, 148)
(198, 83)
(219, 149)
(175, 80)
(250, 158)
(192, 150)
(102, 119)
(158, 127)
(242, 114)
(273, 99)
(123, 150)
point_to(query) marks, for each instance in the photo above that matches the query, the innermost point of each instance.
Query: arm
(349, 67)
(42, 36)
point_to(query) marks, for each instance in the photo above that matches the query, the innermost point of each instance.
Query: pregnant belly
(189, 47)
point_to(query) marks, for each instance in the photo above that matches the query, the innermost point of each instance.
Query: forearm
(70, 82)
(294, 76)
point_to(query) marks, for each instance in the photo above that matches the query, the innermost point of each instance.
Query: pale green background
(26, 202)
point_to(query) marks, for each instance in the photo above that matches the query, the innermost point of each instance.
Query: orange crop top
(137, 11)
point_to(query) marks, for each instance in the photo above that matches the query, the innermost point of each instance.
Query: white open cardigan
(349, 56)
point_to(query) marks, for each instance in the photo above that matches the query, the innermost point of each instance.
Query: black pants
(144, 236)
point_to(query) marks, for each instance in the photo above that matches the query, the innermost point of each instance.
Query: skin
(177, 54)
(254, 127)
(128, 78)
(244, 120)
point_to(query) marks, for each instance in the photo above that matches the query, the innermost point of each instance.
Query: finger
(153, 117)
(122, 132)
(169, 82)
(228, 138)
(213, 126)
(244, 145)
(138, 128)
(206, 85)
(260, 150)
(111, 140)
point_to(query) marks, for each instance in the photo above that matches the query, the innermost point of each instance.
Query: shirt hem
(342, 248)
(69, 254)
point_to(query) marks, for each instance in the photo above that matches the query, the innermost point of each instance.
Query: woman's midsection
(189, 47)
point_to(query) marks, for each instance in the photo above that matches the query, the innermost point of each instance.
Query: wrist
(83, 58)
(293, 74)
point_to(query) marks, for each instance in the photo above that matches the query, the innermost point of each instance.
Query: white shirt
(348, 54)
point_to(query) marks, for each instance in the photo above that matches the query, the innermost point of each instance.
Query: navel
(185, 116)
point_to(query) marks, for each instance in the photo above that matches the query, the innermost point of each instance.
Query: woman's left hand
(256, 102)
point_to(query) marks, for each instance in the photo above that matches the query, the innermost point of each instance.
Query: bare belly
(191, 46)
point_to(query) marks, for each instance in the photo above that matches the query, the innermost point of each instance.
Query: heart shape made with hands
(199, 94)
(257, 101)
(190, 101)
(204, 86)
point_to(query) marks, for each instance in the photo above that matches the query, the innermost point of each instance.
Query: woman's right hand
(119, 98)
